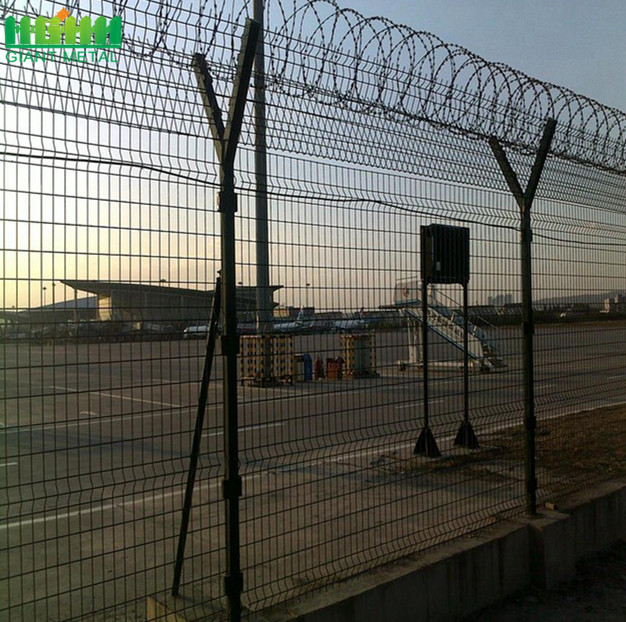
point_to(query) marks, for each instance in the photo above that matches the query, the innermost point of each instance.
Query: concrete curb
(462, 577)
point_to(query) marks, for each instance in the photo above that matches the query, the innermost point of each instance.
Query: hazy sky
(578, 44)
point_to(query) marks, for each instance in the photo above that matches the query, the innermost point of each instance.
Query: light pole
(43, 289)
(264, 298)
(54, 311)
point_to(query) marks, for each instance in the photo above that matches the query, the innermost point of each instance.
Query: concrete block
(597, 517)
(496, 566)
(336, 612)
(514, 562)
(455, 580)
(406, 598)
(369, 605)
(467, 579)
(621, 513)
(438, 591)
(552, 549)
(183, 608)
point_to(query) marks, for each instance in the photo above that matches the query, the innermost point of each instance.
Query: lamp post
(54, 311)
(264, 296)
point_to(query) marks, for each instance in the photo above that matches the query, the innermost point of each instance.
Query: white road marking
(137, 399)
(414, 404)
(102, 419)
(119, 397)
(245, 428)
(7, 464)
(215, 483)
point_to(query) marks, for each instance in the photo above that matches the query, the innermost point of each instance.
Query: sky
(578, 44)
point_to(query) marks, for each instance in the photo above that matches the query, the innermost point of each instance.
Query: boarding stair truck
(446, 323)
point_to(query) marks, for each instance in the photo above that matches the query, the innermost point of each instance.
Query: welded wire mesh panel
(579, 292)
(111, 248)
(332, 486)
(109, 255)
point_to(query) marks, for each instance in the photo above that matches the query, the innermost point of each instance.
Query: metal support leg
(465, 436)
(426, 444)
(197, 435)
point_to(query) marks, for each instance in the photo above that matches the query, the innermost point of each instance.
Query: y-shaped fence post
(525, 201)
(225, 138)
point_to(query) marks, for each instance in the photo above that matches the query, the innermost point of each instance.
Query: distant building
(75, 310)
(133, 302)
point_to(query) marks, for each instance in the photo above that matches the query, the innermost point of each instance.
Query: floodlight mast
(264, 302)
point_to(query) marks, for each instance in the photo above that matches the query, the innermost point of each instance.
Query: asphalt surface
(96, 439)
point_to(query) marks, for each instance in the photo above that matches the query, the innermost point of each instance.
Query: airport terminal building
(133, 302)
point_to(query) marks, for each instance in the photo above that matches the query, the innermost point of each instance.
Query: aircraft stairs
(448, 324)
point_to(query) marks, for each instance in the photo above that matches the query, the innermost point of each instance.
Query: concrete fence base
(459, 578)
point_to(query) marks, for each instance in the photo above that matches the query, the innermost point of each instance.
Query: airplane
(352, 324)
(298, 324)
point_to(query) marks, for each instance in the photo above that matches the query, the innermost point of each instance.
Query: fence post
(524, 200)
(225, 139)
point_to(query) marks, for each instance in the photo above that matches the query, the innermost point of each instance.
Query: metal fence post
(524, 200)
(226, 138)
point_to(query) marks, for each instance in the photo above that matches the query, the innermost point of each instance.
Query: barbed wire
(373, 66)
(318, 51)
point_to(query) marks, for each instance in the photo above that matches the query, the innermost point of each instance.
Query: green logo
(61, 32)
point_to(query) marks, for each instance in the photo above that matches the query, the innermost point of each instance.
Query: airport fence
(323, 446)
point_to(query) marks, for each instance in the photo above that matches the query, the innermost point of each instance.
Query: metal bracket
(232, 487)
(233, 584)
(227, 341)
(227, 201)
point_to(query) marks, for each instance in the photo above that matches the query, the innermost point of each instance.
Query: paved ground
(96, 440)
(598, 594)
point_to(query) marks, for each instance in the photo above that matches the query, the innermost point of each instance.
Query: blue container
(308, 367)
